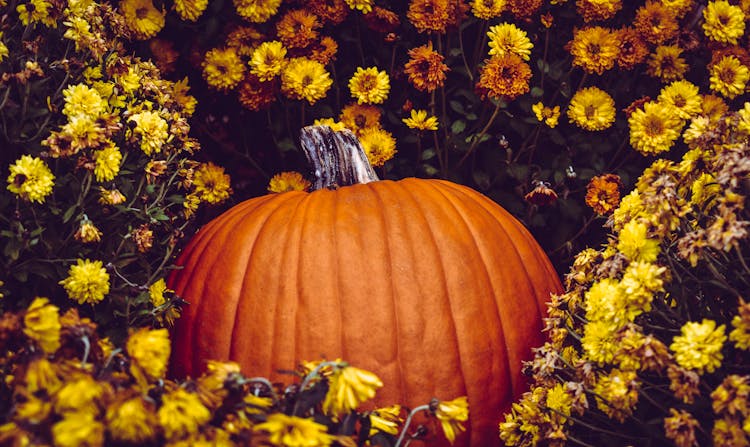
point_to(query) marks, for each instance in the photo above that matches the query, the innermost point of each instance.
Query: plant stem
(408, 422)
(481, 134)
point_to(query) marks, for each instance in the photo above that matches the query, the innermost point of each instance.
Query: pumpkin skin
(428, 284)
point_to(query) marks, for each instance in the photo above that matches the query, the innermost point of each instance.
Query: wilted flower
(452, 414)
(292, 431)
(348, 387)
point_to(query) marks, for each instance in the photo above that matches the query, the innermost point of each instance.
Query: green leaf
(456, 106)
(69, 213)
(537, 92)
(458, 126)
(428, 154)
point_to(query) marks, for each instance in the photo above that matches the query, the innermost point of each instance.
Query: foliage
(101, 180)
(650, 343)
(64, 385)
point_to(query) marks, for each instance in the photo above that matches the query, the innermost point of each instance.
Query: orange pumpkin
(428, 284)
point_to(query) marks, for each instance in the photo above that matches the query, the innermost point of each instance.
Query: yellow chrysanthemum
(369, 85)
(362, 5)
(182, 414)
(723, 22)
(604, 302)
(595, 49)
(190, 9)
(597, 10)
(87, 232)
(298, 28)
(743, 119)
(419, 120)
(107, 162)
(87, 281)
(379, 145)
(268, 60)
(698, 347)
(292, 431)
(42, 324)
(257, 11)
(386, 420)
(545, 114)
(599, 341)
(655, 22)
(330, 122)
(30, 179)
(80, 99)
(617, 394)
(487, 9)
(148, 350)
(358, 117)
(429, 16)
(634, 242)
(80, 394)
(131, 421)
(348, 388)
(222, 68)
(78, 429)
(156, 292)
(592, 108)
(452, 414)
(3, 48)
(508, 38)
(729, 77)
(151, 129)
(288, 181)
(36, 11)
(212, 184)
(304, 78)
(682, 97)
(79, 31)
(740, 334)
(666, 63)
(142, 17)
(654, 128)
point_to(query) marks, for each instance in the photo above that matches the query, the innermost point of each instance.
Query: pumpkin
(427, 283)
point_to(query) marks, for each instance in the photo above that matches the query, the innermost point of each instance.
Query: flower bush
(650, 343)
(69, 387)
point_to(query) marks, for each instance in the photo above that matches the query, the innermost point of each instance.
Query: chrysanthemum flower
(429, 16)
(41, 323)
(87, 281)
(699, 345)
(293, 431)
(36, 11)
(348, 387)
(304, 78)
(740, 334)
(268, 60)
(683, 97)
(80, 99)
(680, 428)
(3, 48)
(425, 68)
(330, 11)
(181, 414)
(541, 194)
(222, 68)
(594, 48)
(324, 51)
(633, 49)
(547, 115)
(87, 232)
(743, 116)
(298, 28)
(617, 393)
(655, 23)
(452, 414)
(370, 85)
(107, 162)
(379, 145)
(654, 128)
(597, 10)
(591, 108)
(678, 7)
(190, 9)
(603, 193)
(523, 9)
(288, 181)
(151, 129)
(255, 94)
(487, 9)
(666, 63)
(635, 244)
(358, 117)
(142, 17)
(30, 179)
(365, 6)
(79, 31)
(508, 38)
(244, 39)
(419, 120)
(723, 22)
(131, 420)
(163, 54)
(110, 196)
(505, 77)
(81, 394)
(386, 420)
(729, 77)
(714, 107)
(257, 11)
(335, 126)
(148, 350)
(76, 429)
(212, 184)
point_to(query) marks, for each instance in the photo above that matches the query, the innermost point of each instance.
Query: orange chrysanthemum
(298, 28)
(655, 23)
(244, 39)
(382, 20)
(595, 49)
(255, 94)
(325, 50)
(603, 193)
(329, 11)
(429, 16)
(523, 9)
(633, 49)
(163, 54)
(358, 117)
(666, 64)
(596, 10)
(425, 69)
(504, 77)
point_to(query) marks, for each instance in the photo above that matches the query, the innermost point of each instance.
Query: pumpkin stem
(337, 157)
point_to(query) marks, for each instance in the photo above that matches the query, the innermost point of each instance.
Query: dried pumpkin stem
(337, 157)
